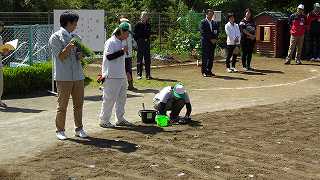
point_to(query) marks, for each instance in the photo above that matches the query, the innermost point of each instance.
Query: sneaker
(298, 62)
(318, 59)
(107, 125)
(61, 136)
(149, 78)
(124, 123)
(229, 70)
(313, 59)
(81, 134)
(251, 69)
(245, 69)
(139, 77)
(2, 104)
(234, 69)
(287, 62)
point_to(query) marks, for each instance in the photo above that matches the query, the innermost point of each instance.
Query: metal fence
(33, 29)
(33, 43)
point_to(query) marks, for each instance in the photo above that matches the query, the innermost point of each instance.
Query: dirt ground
(279, 141)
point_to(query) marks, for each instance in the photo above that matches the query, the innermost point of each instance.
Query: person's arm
(189, 109)
(228, 32)
(204, 30)
(115, 55)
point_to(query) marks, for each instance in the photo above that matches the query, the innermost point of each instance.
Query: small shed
(272, 34)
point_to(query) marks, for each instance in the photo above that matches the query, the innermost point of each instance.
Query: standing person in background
(248, 39)
(142, 32)
(209, 30)
(115, 83)
(5, 52)
(68, 74)
(313, 22)
(129, 42)
(233, 43)
(297, 23)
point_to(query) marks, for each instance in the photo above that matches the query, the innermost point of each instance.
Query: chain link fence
(32, 46)
(170, 32)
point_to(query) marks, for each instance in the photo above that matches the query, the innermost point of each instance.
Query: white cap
(317, 5)
(301, 6)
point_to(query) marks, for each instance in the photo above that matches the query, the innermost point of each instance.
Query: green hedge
(24, 80)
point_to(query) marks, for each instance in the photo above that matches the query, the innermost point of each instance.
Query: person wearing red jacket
(313, 21)
(297, 23)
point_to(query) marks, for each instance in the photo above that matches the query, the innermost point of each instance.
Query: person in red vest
(313, 21)
(297, 23)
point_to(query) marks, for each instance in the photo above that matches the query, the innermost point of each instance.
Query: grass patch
(154, 83)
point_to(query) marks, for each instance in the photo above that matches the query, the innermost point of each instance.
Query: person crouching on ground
(233, 42)
(115, 84)
(297, 23)
(68, 74)
(173, 99)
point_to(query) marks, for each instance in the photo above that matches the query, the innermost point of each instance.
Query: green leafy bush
(24, 80)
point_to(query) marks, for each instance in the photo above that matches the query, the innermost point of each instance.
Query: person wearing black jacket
(142, 32)
(248, 39)
(209, 30)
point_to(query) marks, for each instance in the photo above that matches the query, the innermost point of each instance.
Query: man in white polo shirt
(115, 83)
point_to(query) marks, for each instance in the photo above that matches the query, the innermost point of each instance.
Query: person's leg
(140, 57)
(318, 47)
(147, 59)
(110, 90)
(121, 100)
(78, 98)
(230, 49)
(64, 89)
(234, 61)
(1, 88)
(128, 64)
(244, 54)
(204, 57)
(292, 47)
(176, 108)
(1, 83)
(249, 55)
(211, 59)
(299, 48)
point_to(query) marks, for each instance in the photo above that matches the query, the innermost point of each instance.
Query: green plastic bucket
(162, 120)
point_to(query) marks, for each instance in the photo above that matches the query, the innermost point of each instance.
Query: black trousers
(247, 47)
(208, 50)
(175, 108)
(128, 65)
(315, 39)
(143, 54)
(230, 55)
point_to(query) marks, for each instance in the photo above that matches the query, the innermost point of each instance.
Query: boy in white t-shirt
(115, 83)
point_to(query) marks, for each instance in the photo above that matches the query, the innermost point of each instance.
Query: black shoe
(298, 62)
(287, 62)
(131, 88)
(212, 74)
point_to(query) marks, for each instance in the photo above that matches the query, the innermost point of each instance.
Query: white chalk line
(259, 87)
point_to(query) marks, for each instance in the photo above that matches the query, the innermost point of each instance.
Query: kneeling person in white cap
(173, 99)
(115, 84)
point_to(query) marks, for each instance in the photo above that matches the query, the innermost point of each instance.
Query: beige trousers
(1, 82)
(296, 43)
(76, 90)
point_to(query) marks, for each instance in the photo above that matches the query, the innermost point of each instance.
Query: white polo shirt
(113, 69)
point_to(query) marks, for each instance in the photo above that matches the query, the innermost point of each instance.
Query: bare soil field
(279, 141)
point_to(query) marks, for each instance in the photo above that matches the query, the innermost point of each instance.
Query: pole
(30, 44)
(159, 29)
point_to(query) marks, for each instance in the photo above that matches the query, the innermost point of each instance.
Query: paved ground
(27, 127)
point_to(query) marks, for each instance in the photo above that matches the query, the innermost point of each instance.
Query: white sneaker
(61, 135)
(245, 69)
(106, 125)
(234, 69)
(229, 70)
(318, 59)
(139, 77)
(124, 123)
(313, 59)
(81, 134)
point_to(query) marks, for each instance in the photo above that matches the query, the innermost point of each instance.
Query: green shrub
(24, 80)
